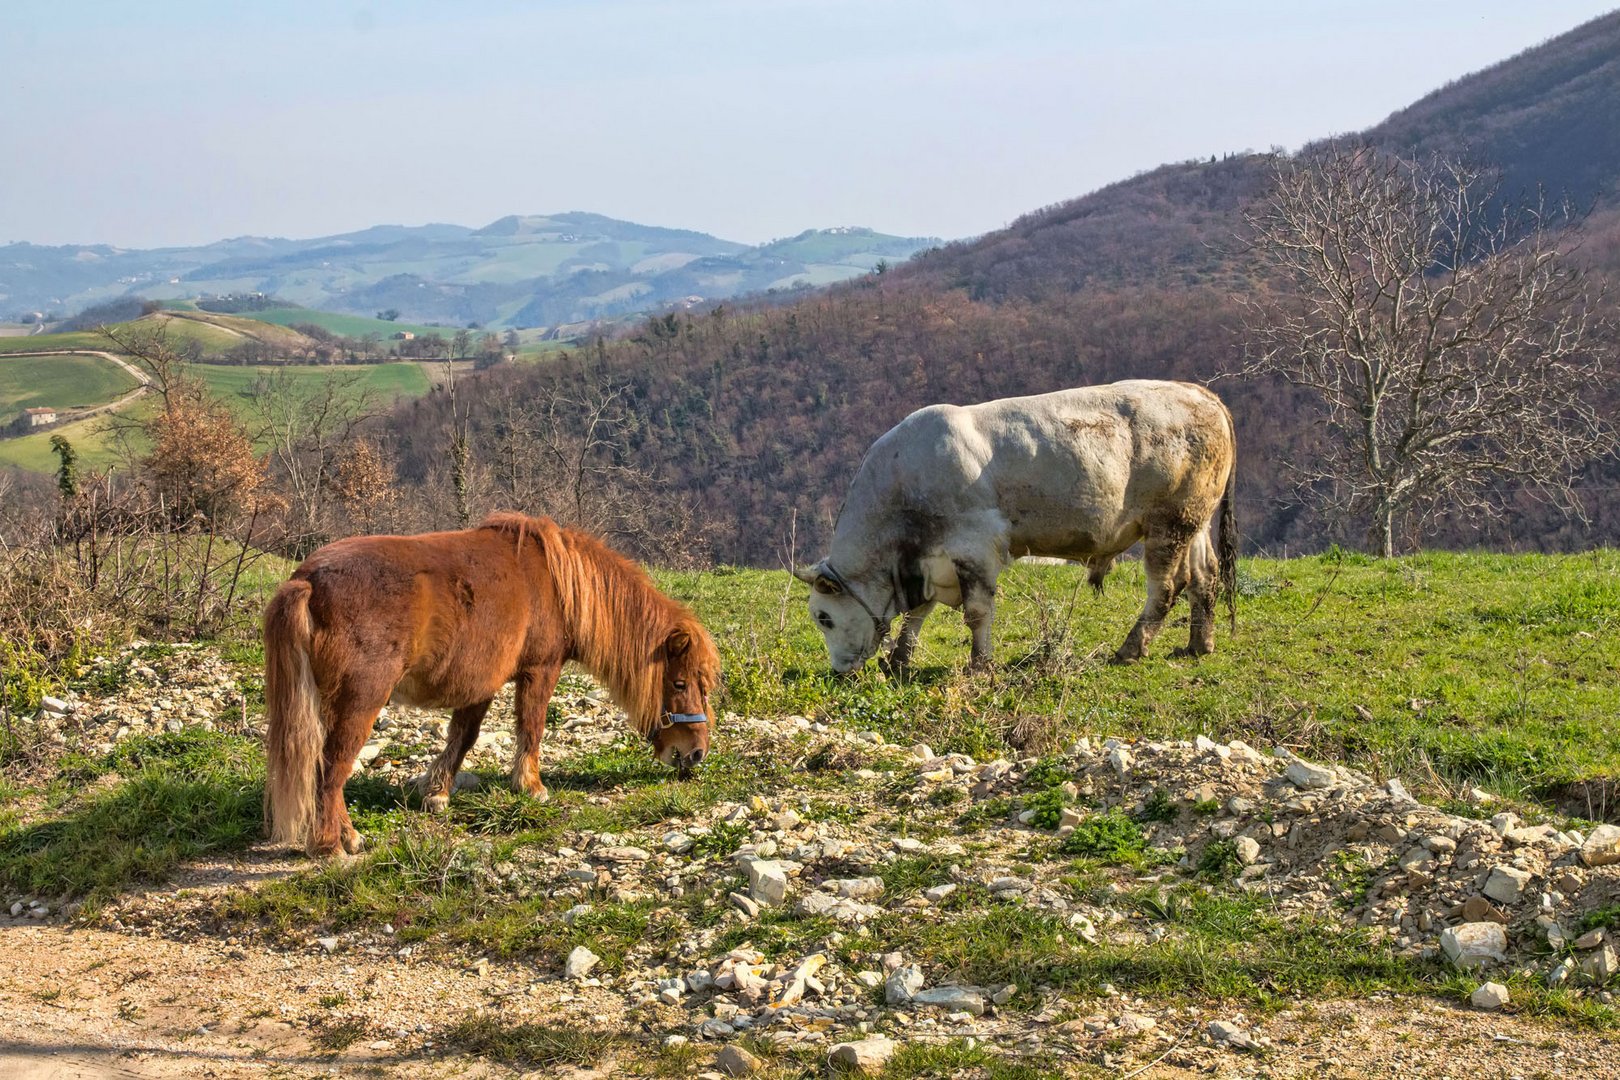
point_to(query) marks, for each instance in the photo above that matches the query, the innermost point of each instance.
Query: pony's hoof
(437, 804)
(353, 842)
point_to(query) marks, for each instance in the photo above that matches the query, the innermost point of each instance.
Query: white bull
(952, 494)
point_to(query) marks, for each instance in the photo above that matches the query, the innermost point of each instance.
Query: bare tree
(306, 424)
(1447, 334)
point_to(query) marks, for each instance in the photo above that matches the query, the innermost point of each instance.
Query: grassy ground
(384, 382)
(61, 382)
(347, 325)
(1496, 670)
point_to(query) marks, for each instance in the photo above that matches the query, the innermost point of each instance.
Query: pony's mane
(619, 619)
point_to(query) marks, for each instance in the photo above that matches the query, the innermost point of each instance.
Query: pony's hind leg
(350, 718)
(534, 687)
(441, 775)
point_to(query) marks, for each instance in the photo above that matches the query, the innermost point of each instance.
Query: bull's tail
(295, 734)
(1226, 550)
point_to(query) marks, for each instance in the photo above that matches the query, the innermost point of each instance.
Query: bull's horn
(807, 574)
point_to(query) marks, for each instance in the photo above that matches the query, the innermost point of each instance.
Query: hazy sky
(184, 121)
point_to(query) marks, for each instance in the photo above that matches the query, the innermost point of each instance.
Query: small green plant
(1158, 806)
(1219, 860)
(1048, 807)
(722, 839)
(1111, 837)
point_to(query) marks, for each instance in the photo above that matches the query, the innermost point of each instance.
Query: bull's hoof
(1121, 658)
(895, 669)
(437, 804)
(1189, 650)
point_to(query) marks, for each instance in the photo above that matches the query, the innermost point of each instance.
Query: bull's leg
(534, 687)
(905, 642)
(978, 611)
(1201, 589)
(441, 775)
(1163, 559)
(350, 715)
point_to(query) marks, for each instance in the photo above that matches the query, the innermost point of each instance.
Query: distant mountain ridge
(520, 270)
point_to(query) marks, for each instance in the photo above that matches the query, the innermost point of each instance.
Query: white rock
(53, 705)
(1489, 996)
(1506, 884)
(922, 752)
(1304, 774)
(744, 904)
(1224, 1031)
(767, 881)
(1120, 758)
(951, 999)
(327, 944)
(580, 962)
(840, 908)
(368, 753)
(1601, 964)
(1602, 847)
(903, 985)
(861, 888)
(864, 1058)
(678, 843)
(715, 1028)
(939, 892)
(1248, 850)
(1474, 944)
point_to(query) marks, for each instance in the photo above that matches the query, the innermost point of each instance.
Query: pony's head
(690, 673)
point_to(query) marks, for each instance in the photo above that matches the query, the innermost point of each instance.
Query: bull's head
(852, 630)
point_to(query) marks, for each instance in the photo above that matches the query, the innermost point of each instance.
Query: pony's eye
(680, 684)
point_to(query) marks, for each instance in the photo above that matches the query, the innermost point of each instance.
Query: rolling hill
(519, 271)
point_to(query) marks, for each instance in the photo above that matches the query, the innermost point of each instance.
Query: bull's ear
(807, 574)
(678, 642)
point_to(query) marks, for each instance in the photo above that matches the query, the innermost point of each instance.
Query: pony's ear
(678, 642)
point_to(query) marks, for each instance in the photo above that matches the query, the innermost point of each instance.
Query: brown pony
(444, 620)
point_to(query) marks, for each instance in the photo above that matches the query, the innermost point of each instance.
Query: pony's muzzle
(686, 763)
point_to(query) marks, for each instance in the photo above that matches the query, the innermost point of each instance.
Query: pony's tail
(1226, 551)
(295, 734)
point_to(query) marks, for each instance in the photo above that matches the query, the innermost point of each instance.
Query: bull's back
(1075, 473)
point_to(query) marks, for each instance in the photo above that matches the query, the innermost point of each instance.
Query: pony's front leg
(534, 687)
(441, 775)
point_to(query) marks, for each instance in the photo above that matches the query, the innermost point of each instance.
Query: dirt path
(96, 1003)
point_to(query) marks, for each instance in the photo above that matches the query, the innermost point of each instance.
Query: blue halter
(687, 717)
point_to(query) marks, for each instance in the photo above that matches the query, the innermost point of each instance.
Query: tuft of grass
(539, 1046)
(180, 796)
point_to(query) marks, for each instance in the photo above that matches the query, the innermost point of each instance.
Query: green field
(346, 325)
(61, 382)
(385, 383)
(78, 339)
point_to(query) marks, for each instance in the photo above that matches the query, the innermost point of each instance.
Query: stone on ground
(733, 1060)
(865, 1058)
(580, 962)
(1489, 996)
(1474, 944)
(1602, 847)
